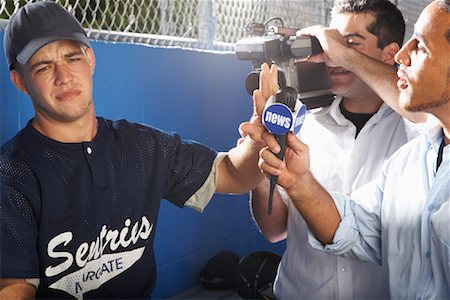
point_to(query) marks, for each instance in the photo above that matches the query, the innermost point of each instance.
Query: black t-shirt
(359, 120)
(82, 217)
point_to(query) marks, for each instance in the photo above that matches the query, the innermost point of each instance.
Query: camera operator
(349, 141)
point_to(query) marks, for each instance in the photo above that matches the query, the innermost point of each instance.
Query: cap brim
(36, 44)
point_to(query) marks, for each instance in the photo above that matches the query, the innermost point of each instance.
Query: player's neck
(83, 130)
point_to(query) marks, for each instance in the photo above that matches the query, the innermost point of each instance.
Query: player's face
(58, 77)
(354, 28)
(425, 63)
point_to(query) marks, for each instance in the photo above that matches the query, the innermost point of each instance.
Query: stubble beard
(442, 100)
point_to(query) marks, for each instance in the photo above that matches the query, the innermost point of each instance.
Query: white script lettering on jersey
(97, 272)
(112, 238)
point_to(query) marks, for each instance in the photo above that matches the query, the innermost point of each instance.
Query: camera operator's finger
(318, 58)
(333, 43)
(310, 30)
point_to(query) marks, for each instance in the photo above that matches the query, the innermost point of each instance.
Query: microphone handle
(281, 139)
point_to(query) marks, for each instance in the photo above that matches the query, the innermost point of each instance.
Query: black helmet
(256, 274)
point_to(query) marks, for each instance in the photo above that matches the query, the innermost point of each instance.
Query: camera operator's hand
(336, 50)
(254, 129)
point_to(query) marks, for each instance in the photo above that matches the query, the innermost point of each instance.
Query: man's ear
(91, 59)
(389, 52)
(19, 82)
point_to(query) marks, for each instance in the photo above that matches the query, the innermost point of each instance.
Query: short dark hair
(445, 6)
(389, 24)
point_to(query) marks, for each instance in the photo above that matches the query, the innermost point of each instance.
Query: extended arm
(380, 76)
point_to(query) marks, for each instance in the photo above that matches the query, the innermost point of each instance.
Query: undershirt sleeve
(202, 196)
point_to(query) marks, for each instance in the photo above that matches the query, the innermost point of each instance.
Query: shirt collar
(338, 117)
(434, 136)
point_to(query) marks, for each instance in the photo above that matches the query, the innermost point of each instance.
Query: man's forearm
(272, 226)
(381, 78)
(317, 208)
(239, 171)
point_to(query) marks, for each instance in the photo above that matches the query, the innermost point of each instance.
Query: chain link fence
(197, 24)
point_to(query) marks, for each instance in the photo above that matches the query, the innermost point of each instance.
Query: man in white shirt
(349, 142)
(401, 220)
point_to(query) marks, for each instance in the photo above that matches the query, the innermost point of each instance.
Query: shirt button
(430, 207)
(428, 254)
(342, 269)
(89, 150)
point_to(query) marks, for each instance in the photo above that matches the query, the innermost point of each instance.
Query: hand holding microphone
(282, 114)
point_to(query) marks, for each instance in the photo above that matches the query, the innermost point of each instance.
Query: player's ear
(18, 80)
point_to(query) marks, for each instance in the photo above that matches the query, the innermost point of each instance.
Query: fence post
(206, 23)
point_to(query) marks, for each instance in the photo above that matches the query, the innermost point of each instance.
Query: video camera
(281, 46)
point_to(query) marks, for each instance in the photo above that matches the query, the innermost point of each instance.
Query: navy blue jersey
(82, 216)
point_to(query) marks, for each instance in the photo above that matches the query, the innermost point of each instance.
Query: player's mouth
(67, 94)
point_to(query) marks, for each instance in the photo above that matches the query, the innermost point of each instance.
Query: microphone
(288, 97)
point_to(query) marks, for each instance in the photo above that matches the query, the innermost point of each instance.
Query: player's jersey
(82, 217)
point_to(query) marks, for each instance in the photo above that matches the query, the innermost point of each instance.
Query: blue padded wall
(200, 95)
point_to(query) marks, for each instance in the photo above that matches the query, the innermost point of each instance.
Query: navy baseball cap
(37, 24)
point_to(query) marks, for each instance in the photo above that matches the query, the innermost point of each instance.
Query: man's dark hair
(389, 24)
(445, 6)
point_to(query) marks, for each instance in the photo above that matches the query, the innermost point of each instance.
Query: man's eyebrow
(73, 53)
(49, 61)
(354, 34)
(41, 62)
